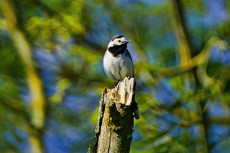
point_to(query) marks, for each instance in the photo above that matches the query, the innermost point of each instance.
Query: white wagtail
(117, 61)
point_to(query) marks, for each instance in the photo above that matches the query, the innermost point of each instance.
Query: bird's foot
(129, 77)
(116, 84)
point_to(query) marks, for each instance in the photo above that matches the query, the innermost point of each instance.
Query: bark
(115, 122)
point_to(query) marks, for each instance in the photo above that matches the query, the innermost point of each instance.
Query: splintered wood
(122, 93)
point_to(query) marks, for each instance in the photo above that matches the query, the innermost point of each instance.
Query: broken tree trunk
(115, 122)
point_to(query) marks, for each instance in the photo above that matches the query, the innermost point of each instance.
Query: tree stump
(115, 122)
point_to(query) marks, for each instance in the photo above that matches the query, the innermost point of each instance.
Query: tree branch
(33, 81)
(115, 122)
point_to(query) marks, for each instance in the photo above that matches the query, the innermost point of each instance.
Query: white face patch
(116, 41)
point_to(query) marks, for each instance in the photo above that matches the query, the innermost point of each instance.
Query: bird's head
(118, 40)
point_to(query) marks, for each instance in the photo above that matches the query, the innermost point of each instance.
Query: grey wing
(127, 54)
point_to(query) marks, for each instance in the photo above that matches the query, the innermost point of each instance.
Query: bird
(117, 60)
(118, 63)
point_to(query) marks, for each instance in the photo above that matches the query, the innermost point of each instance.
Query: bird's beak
(127, 41)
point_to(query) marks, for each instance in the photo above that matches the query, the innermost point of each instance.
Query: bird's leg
(116, 84)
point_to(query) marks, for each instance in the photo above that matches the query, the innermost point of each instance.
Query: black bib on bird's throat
(117, 49)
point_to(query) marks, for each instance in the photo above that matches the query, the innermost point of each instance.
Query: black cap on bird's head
(117, 36)
(118, 40)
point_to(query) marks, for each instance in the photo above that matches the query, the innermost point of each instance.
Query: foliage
(51, 73)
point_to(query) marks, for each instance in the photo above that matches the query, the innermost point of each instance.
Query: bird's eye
(119, 41)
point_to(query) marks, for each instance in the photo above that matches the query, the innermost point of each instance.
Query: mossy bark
(115, 121)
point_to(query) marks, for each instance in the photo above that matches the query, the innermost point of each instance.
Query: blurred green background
(51, 73)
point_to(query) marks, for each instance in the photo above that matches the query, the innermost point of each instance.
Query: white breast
(119, 67)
